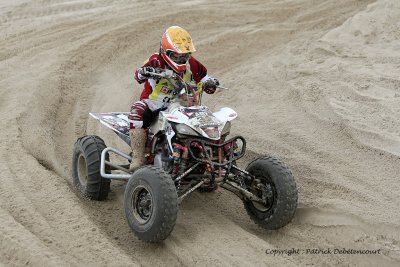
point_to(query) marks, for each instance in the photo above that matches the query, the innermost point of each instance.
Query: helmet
(176, 47)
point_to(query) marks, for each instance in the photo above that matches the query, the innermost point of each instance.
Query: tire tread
(91, 146)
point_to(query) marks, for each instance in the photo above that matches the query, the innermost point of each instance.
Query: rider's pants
(142, 115)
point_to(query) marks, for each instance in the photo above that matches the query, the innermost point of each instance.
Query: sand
(315, 83)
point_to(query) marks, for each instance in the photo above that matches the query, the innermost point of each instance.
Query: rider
(175, 54)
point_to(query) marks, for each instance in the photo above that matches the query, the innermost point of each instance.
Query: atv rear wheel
(151, 204)
(275, 184)
(86, 168)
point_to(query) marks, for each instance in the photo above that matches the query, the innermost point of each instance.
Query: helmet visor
(179, 58)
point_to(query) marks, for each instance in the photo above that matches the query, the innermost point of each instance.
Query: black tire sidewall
(78, 151)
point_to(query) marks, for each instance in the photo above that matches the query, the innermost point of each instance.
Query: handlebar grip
(221, 87)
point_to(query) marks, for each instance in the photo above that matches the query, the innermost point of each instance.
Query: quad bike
(187, 149)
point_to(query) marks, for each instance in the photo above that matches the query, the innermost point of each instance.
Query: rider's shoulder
(192, 60)
(155, 60)
(155, 56)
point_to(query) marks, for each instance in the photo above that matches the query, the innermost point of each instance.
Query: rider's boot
(138, 142)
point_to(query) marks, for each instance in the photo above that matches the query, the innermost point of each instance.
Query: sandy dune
(315, 83)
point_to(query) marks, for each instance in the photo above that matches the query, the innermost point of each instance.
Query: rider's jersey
(160, 92)
(163, 91)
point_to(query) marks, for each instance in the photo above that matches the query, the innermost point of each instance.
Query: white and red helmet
(176, 48)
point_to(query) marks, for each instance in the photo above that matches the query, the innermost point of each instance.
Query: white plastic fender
(175, 115)
(225, 114)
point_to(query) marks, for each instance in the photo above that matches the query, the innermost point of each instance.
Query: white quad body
(194, 121)
(199, 121)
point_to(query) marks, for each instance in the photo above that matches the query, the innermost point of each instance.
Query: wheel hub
(144, 205)
(266, 193)
(142, 202)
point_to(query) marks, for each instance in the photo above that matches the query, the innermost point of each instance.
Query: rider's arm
(200, 75)
(146, 92)
(198, 70)
(152, 62)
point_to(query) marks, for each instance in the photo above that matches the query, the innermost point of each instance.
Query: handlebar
(221, 87)
(190, 89)
(169, 74)
(161, 73)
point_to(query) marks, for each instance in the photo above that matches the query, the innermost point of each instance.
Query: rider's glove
(142, 74)
(145, 71)
(210, 86)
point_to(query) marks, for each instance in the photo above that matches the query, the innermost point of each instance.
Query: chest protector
(164, 91)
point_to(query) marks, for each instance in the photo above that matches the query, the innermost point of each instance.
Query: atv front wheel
(151, 204)
(86, 168)
(274, 183)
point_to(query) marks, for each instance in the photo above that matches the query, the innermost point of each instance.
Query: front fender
(226, 114)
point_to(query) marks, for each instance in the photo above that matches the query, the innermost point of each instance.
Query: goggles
(179, 58)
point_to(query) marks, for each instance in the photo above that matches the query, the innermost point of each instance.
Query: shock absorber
(183, 157)
(176, 155)
(180, 156)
